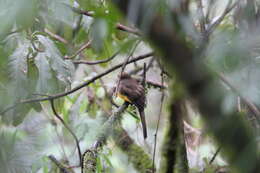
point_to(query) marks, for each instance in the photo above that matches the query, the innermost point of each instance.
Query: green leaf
(99, 165)
(63, 69)
(59, 12)
(20, 12)
(45, 76)
(98, 34)
(18, 68)
(17, 154)
(26, 11)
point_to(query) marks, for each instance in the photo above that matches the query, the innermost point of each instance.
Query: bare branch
(201, 16)
(68, 128)
(118, 26)
(141, 57)
(228, 9)
(84, 46)
(144, 76)
(79, 11)
(210, 5)
(122, 27)
(96, 62)
(215, 155)
(253, 108)
(55, 36)
(158, 121)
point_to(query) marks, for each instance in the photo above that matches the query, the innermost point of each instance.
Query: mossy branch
(141, 161)
(90, 156)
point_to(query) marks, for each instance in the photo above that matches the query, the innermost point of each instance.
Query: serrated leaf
(63, 69)
(18, 69)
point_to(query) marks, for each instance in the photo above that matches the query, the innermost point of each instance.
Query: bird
(133, 92)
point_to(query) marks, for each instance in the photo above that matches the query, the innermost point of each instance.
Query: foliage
(44, 42)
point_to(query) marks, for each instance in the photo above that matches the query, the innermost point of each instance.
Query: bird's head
(124, 75)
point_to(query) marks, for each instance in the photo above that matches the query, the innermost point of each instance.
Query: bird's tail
(142, 116)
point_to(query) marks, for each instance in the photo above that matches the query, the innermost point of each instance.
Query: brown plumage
(133, 92)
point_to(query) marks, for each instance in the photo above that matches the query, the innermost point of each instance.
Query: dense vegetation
(59, 67)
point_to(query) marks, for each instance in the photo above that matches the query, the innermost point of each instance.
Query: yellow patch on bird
(125, 98)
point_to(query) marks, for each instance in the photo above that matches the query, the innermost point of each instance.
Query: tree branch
(215, 155)
(68, 128)
(128, 29)
(252, 107)
(119, 26)
(55, 36)
(96, 62)
(201, 16)
(228, 8)
(89, 158)
(140, 160)
(158, 121)
(84, 46)
(136, 155)
(141, 57)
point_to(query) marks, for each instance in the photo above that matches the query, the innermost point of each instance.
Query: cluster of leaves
(36, 37)
(33, 65)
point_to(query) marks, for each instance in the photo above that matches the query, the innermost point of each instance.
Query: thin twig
(77, 28)
(155, 84)
(60, 142)
(68, 128)
(84, 46)
(150, 64)
(127, 111)
(79, 11)
(55, 36)
(56, 96)
(201, 16)
(158, 121)
(96, 62)
(161, 67)
(119, 26)
(215, 155)
(250, 104)
(125, 63)
(144, 76)
(228, 8)
(210, 4)
(137, 68)
(122, 27)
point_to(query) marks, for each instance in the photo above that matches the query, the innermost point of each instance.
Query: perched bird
(131, 91)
